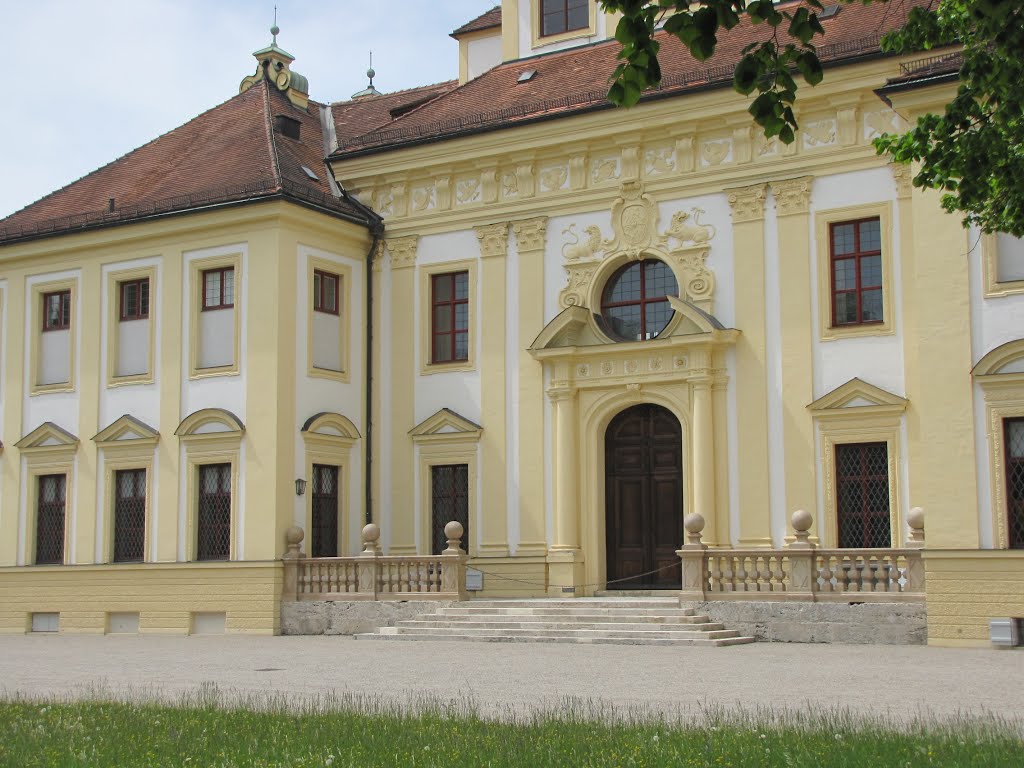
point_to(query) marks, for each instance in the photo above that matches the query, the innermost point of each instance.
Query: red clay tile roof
(368, 113)
(576, 79)
(229, 154)
(487, 20)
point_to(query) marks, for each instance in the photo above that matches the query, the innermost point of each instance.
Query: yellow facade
(764, 385)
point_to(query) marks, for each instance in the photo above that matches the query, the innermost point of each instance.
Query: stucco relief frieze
(423, 198)
(468, 190)
(509, 185)
(714, 153)
(792, 196)
(553, 178)
(659, 161)
(605, 169)
(493, 239)
(819, 133)
(684, 245)
(403, 251)
(634, 369)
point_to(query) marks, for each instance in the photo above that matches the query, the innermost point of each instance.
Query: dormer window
(560, 16)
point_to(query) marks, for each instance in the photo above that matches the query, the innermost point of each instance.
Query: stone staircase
(622, 620)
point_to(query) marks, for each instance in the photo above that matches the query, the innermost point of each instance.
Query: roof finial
(370, 73)
(274, 30)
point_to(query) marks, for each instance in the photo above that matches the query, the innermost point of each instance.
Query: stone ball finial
(371, 533)
(275, 30)
(454, 530)
(802, 521)
(294, 536)
(694, 522)
(915, 518)
(370, 73)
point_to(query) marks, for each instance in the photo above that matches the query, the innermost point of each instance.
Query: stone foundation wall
(340, 617)
(878, 623)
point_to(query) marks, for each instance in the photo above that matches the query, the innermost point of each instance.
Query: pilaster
(531, 235)
(89, 382)
(751, 374)
(169, 501)
(493, 534)
(13, 341)
(402, 370)
(703, 451)
(796, 324)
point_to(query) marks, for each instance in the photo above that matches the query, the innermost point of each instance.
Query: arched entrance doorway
(643, 498)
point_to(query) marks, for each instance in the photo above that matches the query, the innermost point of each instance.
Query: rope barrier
(573, 586)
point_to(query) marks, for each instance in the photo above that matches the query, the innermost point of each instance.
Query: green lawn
(198, 733)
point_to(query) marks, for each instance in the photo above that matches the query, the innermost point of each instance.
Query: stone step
(632, 640)
(590, 618)
(436, 622)
(563, 631)
(628, 593)
(576, 602)
(471, 610)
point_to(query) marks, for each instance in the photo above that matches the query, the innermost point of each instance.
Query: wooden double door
(644, 499)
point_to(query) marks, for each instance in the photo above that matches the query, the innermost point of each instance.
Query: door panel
(643, 493)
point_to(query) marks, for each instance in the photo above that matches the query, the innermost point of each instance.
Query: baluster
(764, 582)
(826, 573)
(882, 575)
(776, 574)
(741, 574)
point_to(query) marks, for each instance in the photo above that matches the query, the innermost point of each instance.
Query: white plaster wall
(458, 390)
(227, 392)
(773, 372)
(483, 54)
(877, 360)
(132, 347)
(316, 395)
(62, 408)
(527, 22)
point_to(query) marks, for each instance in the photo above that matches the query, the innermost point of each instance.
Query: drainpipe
(377, 230)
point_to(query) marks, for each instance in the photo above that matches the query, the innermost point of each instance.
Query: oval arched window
(635, 300)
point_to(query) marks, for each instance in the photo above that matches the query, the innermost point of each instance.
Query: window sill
(455, 366)
(209, 373)
(857, 331)
(1008, 288)
(327, 373)
(50, 389)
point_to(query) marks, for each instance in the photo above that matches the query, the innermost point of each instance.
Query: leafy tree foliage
(973, 152)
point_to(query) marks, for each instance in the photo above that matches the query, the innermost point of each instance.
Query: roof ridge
(268, 125)
(127, 154)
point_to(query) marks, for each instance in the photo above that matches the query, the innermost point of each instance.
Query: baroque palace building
(500, 300)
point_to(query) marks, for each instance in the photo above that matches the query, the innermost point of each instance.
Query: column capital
(792, 196)
(903, 175)
(747, 203)
(493, 239)
(561, 394)
(402, 250)
(531, 233)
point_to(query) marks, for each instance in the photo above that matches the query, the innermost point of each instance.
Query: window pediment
(48, 436)
(210, 421)
(858, 397)
(331, 427)
(126, 429)
(446, 424)
(1005, 359)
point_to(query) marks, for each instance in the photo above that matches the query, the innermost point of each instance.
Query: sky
(89, 82)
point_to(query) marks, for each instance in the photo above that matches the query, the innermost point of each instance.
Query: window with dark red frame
(449, 318)
(219, 288)
(129, 515)
(558, 16)
(134, 299)
(50, 506)
(325, 292)
(635, 300)
(213, 516)
(855, 249)
(57, 311)
(862, 495)
(449, 500)
(1013, 435)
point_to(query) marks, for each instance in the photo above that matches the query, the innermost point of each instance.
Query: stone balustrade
(373, 576)
(801, 570)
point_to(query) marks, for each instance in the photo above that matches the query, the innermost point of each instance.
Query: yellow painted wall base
(967, 588)
(511, 576)
(164, 595)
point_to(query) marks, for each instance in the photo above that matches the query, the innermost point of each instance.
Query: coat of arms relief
(684, 245)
